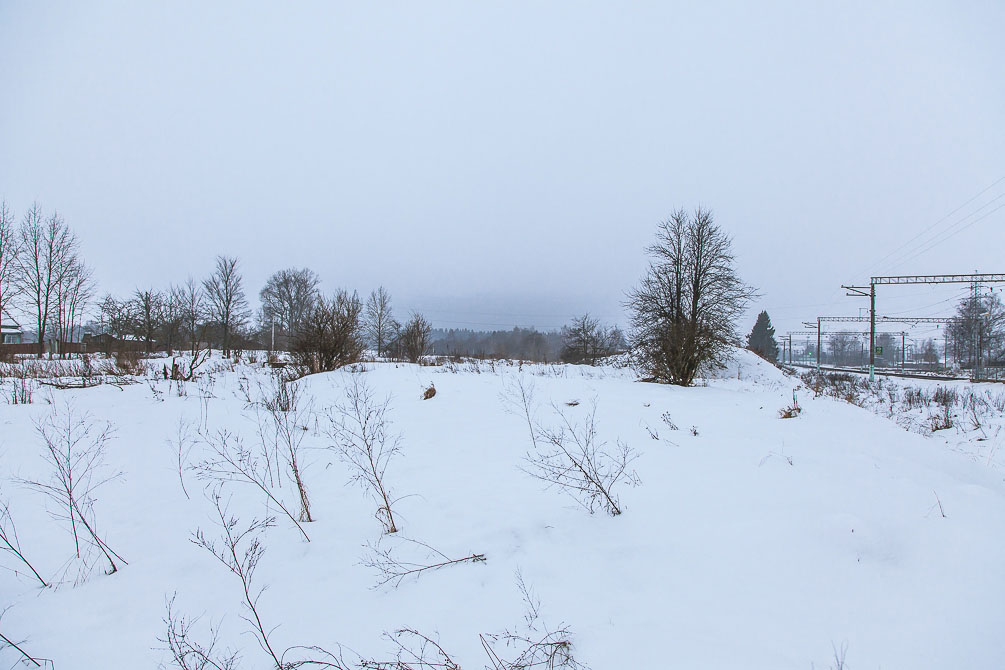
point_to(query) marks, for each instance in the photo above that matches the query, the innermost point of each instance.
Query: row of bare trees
(323, 332)
(184, 315)
(42, 271)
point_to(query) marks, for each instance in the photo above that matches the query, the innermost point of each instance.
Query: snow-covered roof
(8, 324)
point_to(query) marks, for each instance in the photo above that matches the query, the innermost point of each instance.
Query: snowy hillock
(744, 539)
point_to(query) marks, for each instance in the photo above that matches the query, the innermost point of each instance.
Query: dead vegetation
(570, 456)
(360, 429)
(393, 568)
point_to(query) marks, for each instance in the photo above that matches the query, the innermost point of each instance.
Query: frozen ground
(752, 541)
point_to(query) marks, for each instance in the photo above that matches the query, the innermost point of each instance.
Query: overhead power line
(937, 223)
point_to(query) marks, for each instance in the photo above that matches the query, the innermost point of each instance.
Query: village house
(10, 330)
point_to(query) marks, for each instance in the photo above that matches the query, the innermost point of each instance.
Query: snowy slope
(752, 541)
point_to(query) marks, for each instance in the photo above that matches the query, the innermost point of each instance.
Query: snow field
(726, 556)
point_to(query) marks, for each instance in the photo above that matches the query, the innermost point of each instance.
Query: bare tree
(685, 309)
(74, 453)
(47, 248)
(8, 255)
(360, 429)
(75, 288)
(585, 340)
(979, 329)
(116, 316)
(192, 300)
(287, 299)
(227, 305)
(414, 339)
(147, 307)
(378, 321)
(331, 336)
(172, 317)
(841, 347)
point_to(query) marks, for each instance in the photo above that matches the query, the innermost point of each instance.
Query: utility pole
(859, 292)
(872, 332)
(818, 344)
(977, 332)
(945, 352)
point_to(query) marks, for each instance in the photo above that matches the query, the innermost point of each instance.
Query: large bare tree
(75, 288)
(192, 301)
(47, 249)
(116, 318)
(8, 254)
(287, 298)
(378, 322)
(685, 308)
(147, 306)
(225, 299)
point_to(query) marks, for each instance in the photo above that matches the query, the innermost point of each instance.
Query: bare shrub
(391, 567)
(11, 545)
(792, 411)
(22, 385)
(231, 462)
(182, 443)
(570, 457)
(127, 361)
(187, 372)
(187, 652)
(287, 414)
(532, 644)
(239, 549)
(74, 453)
(947, 396)
(360, 429)
(35, 661)
(941, 421)
(331, 335)
(416, 651)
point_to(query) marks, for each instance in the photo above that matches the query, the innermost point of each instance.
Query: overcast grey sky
(495, 164)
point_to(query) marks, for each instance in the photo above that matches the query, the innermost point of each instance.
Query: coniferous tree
(762, 338)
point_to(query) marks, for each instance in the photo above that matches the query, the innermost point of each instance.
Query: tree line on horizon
(683, 311)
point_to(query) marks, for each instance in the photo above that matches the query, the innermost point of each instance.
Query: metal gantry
(869, 291)
(872, 330)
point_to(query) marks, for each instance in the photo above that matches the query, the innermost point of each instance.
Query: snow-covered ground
(751, 541)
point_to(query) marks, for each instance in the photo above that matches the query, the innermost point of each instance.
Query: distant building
(10, 330)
